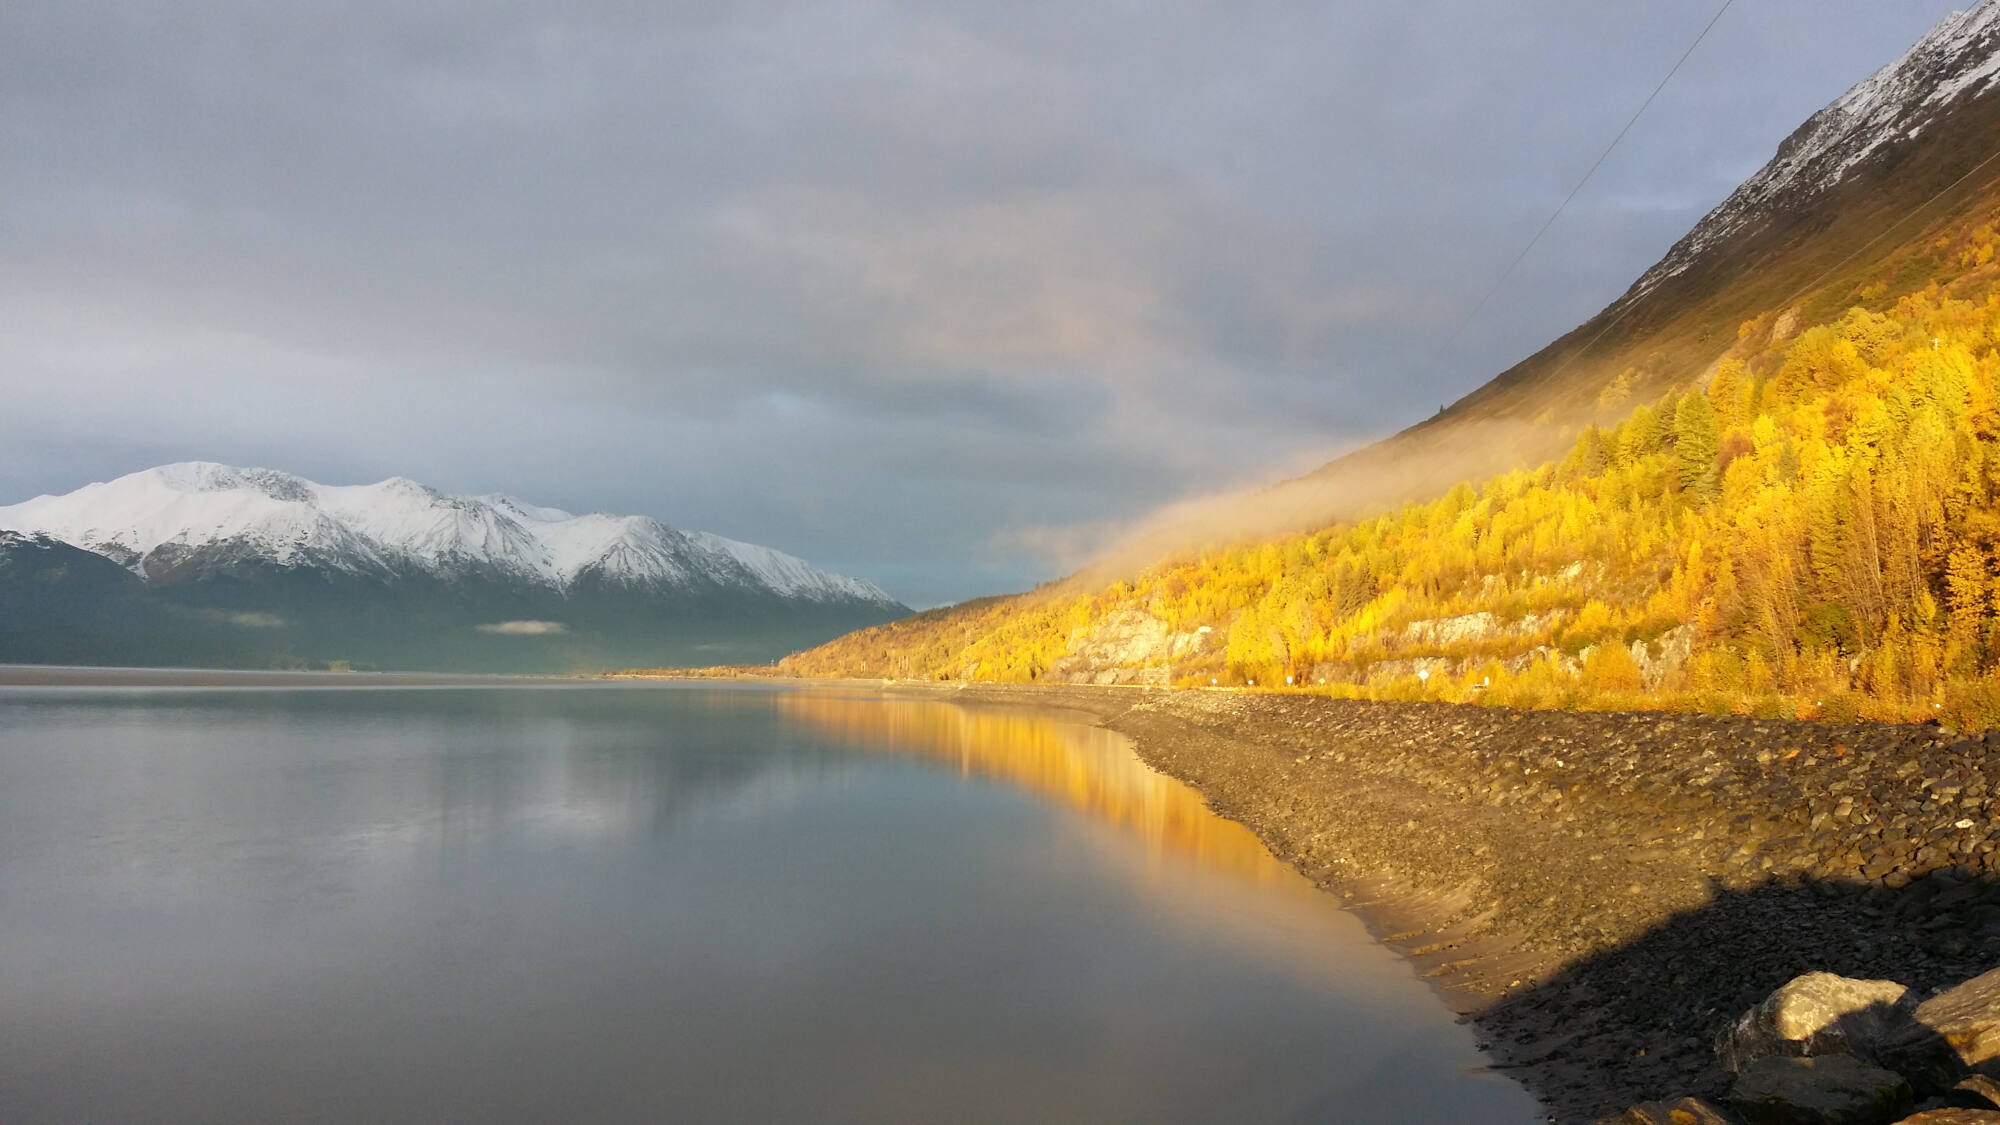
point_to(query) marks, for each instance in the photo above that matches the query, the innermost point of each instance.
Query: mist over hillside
(1898, 159)
(1760, 479)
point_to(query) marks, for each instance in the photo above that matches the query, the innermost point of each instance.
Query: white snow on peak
(398, 525)
(521, 509)
(787, 574)
(194, 504)
(1958, 58)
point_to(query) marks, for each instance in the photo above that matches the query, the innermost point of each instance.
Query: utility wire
(1601, 157)
(1568, 199)
(1888, 230)
(1808, 286)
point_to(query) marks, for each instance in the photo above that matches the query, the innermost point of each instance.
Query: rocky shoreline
(1600, 894)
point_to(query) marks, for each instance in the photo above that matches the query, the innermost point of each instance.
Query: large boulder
(1817, 1014)
(1686, 1111)
(1953, 1117)
(1950, 1035)
(1823, 1090)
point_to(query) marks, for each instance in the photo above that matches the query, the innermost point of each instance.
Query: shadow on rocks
(1641, 1021)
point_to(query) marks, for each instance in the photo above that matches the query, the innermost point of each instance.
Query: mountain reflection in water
(643, 903)
(1088, 769)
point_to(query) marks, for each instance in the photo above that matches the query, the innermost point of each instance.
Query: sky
(939, 294)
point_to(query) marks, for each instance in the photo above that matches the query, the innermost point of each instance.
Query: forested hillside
(1811, 527)
(1911, 147)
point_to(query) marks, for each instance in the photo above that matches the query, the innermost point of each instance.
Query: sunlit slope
(1764, 478)
(1811, 525)
(1827, 223)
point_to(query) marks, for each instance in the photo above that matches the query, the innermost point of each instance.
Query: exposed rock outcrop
(1662, 658)
(1128, 647)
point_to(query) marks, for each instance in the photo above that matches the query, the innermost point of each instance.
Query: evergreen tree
(1728, 393)
(1697, 440)
(1638, 436)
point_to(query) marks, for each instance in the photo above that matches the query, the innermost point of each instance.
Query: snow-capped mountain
(196, 509)
(1956, 60)
(1835, 219)
(205, 563)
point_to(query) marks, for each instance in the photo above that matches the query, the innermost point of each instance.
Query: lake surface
(663, 902)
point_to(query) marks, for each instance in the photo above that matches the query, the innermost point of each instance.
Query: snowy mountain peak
(207, 476)
(521, 509)
(188, 510)
(1956, 60)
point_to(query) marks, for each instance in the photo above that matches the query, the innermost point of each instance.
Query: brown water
(664, 903)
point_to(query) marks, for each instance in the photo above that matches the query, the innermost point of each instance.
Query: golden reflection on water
(1091, 770)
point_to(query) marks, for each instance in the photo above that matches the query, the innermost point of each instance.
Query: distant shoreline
(85, 675)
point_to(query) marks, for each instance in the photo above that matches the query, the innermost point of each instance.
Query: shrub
(1609, 667)
(1973, 705)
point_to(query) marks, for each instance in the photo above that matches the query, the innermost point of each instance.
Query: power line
(1571, 197)
(1808, 286)
(1888, 230)
(1595, 165)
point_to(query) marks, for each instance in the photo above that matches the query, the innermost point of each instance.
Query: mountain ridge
(1958, 57)
(378, 529)
(199, 562)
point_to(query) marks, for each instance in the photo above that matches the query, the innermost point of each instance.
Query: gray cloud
(926, 292)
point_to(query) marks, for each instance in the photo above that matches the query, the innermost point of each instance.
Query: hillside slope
(1757, 493)
(1820, 227)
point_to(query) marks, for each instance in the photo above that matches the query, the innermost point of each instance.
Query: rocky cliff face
(1133, 646)
(1129, 647)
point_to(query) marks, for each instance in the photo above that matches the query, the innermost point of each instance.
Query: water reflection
(664, 904)
(1087, 769)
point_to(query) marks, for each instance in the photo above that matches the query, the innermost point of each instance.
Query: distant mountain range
(200, 563)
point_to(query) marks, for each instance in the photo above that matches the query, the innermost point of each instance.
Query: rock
(1980, 1086)
(1953, 1117)
(1686, 1111)
(1825, 1090)
(1949, 1035)
(1131, 646)
(1816, 1014)
(1664, 657)
(1446, 631)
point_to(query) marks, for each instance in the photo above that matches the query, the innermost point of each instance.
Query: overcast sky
(931, 293)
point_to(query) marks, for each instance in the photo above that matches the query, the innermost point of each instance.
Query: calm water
(664, 903)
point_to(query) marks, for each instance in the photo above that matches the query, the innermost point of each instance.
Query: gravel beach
(1599, 893)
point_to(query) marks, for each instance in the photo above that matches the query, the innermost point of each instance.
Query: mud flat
(1600, 893)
